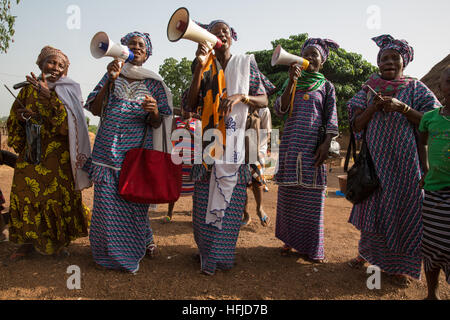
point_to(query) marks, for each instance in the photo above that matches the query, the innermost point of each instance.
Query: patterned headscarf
(386, 42)
(214, 22)
(48, 51)
(144, 36)
(323, 45)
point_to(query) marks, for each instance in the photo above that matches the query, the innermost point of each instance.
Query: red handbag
(150, 176)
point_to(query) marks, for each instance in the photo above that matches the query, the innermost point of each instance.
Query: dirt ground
(260, 271)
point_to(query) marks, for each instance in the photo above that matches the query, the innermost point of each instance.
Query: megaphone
(282, 57)
(182, 27)
(103, 46)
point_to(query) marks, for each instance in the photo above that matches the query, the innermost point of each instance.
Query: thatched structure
(431, 79)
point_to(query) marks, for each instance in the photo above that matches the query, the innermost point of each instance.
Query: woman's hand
(114, 69)
(202, 54)
(321, 154)
(422, 182)
(377, 103)
(150, 106)
(392, 105)
(226, 105)
(40, 85)
(23, 114)
(295, 71)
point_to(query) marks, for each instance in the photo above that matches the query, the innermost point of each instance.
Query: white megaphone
(103, 46)
(182, 27)
(282, 57)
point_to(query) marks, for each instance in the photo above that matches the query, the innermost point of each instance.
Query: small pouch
(33, 142)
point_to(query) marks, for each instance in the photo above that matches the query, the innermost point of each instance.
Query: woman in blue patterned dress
(222, 89)
(302, 175)
(390, 219)
(120, 232)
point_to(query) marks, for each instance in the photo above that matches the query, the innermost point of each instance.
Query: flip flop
(152, 250)
(265, 220)
(401, 281)
(286, 250)
(166, 219)
(16, 256)
(246, 223)
(356, 263)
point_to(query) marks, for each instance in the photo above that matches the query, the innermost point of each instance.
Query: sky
(70, 26)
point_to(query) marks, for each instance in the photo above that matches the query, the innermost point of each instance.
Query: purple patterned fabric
(323, 45)
(300, 221)
(386, 42)
(301, 192)
(214, 22)
(300, 132)
(217, 247)
(144, 36)
(120, 230)
(390, 219)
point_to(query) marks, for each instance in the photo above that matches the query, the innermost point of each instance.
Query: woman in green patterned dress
(46, 210)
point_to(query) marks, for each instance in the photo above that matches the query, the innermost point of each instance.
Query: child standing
(435, 131)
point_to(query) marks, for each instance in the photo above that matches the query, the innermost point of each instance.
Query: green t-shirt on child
(438, 128)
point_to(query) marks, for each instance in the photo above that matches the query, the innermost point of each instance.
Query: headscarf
(214, 22)
(48, 51)
(386, 42)
(144, 36)
(323, 45)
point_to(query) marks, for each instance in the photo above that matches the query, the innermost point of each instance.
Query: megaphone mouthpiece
(181, 26)
(103, 46)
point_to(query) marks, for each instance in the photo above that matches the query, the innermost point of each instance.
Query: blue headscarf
(214, 22)
(386, 41)
(144, 36)
(323, 45)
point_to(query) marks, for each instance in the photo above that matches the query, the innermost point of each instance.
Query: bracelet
(245, 99)
(406, 109)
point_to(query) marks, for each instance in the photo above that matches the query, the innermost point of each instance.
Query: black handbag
(362, 179)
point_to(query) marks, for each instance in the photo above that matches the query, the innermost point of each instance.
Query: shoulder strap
(325, 105)
(351, 150)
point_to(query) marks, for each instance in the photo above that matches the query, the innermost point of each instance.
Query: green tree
(177, 75)
(6, 24)
(346, 70)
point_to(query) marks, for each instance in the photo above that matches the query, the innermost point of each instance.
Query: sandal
(319, 261)
(62, 254)
(152, 250)
(356, 263)
(166, 219)
(401, 280)
(23, 251)
(286, 250)
(265, 220)
(246, 222)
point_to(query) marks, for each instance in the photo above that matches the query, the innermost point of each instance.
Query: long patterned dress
(217, 247)
(45, 208)
(390, 219)
(301, 192)
(120, 230)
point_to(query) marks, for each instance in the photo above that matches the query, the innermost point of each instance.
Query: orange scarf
(213, 89)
